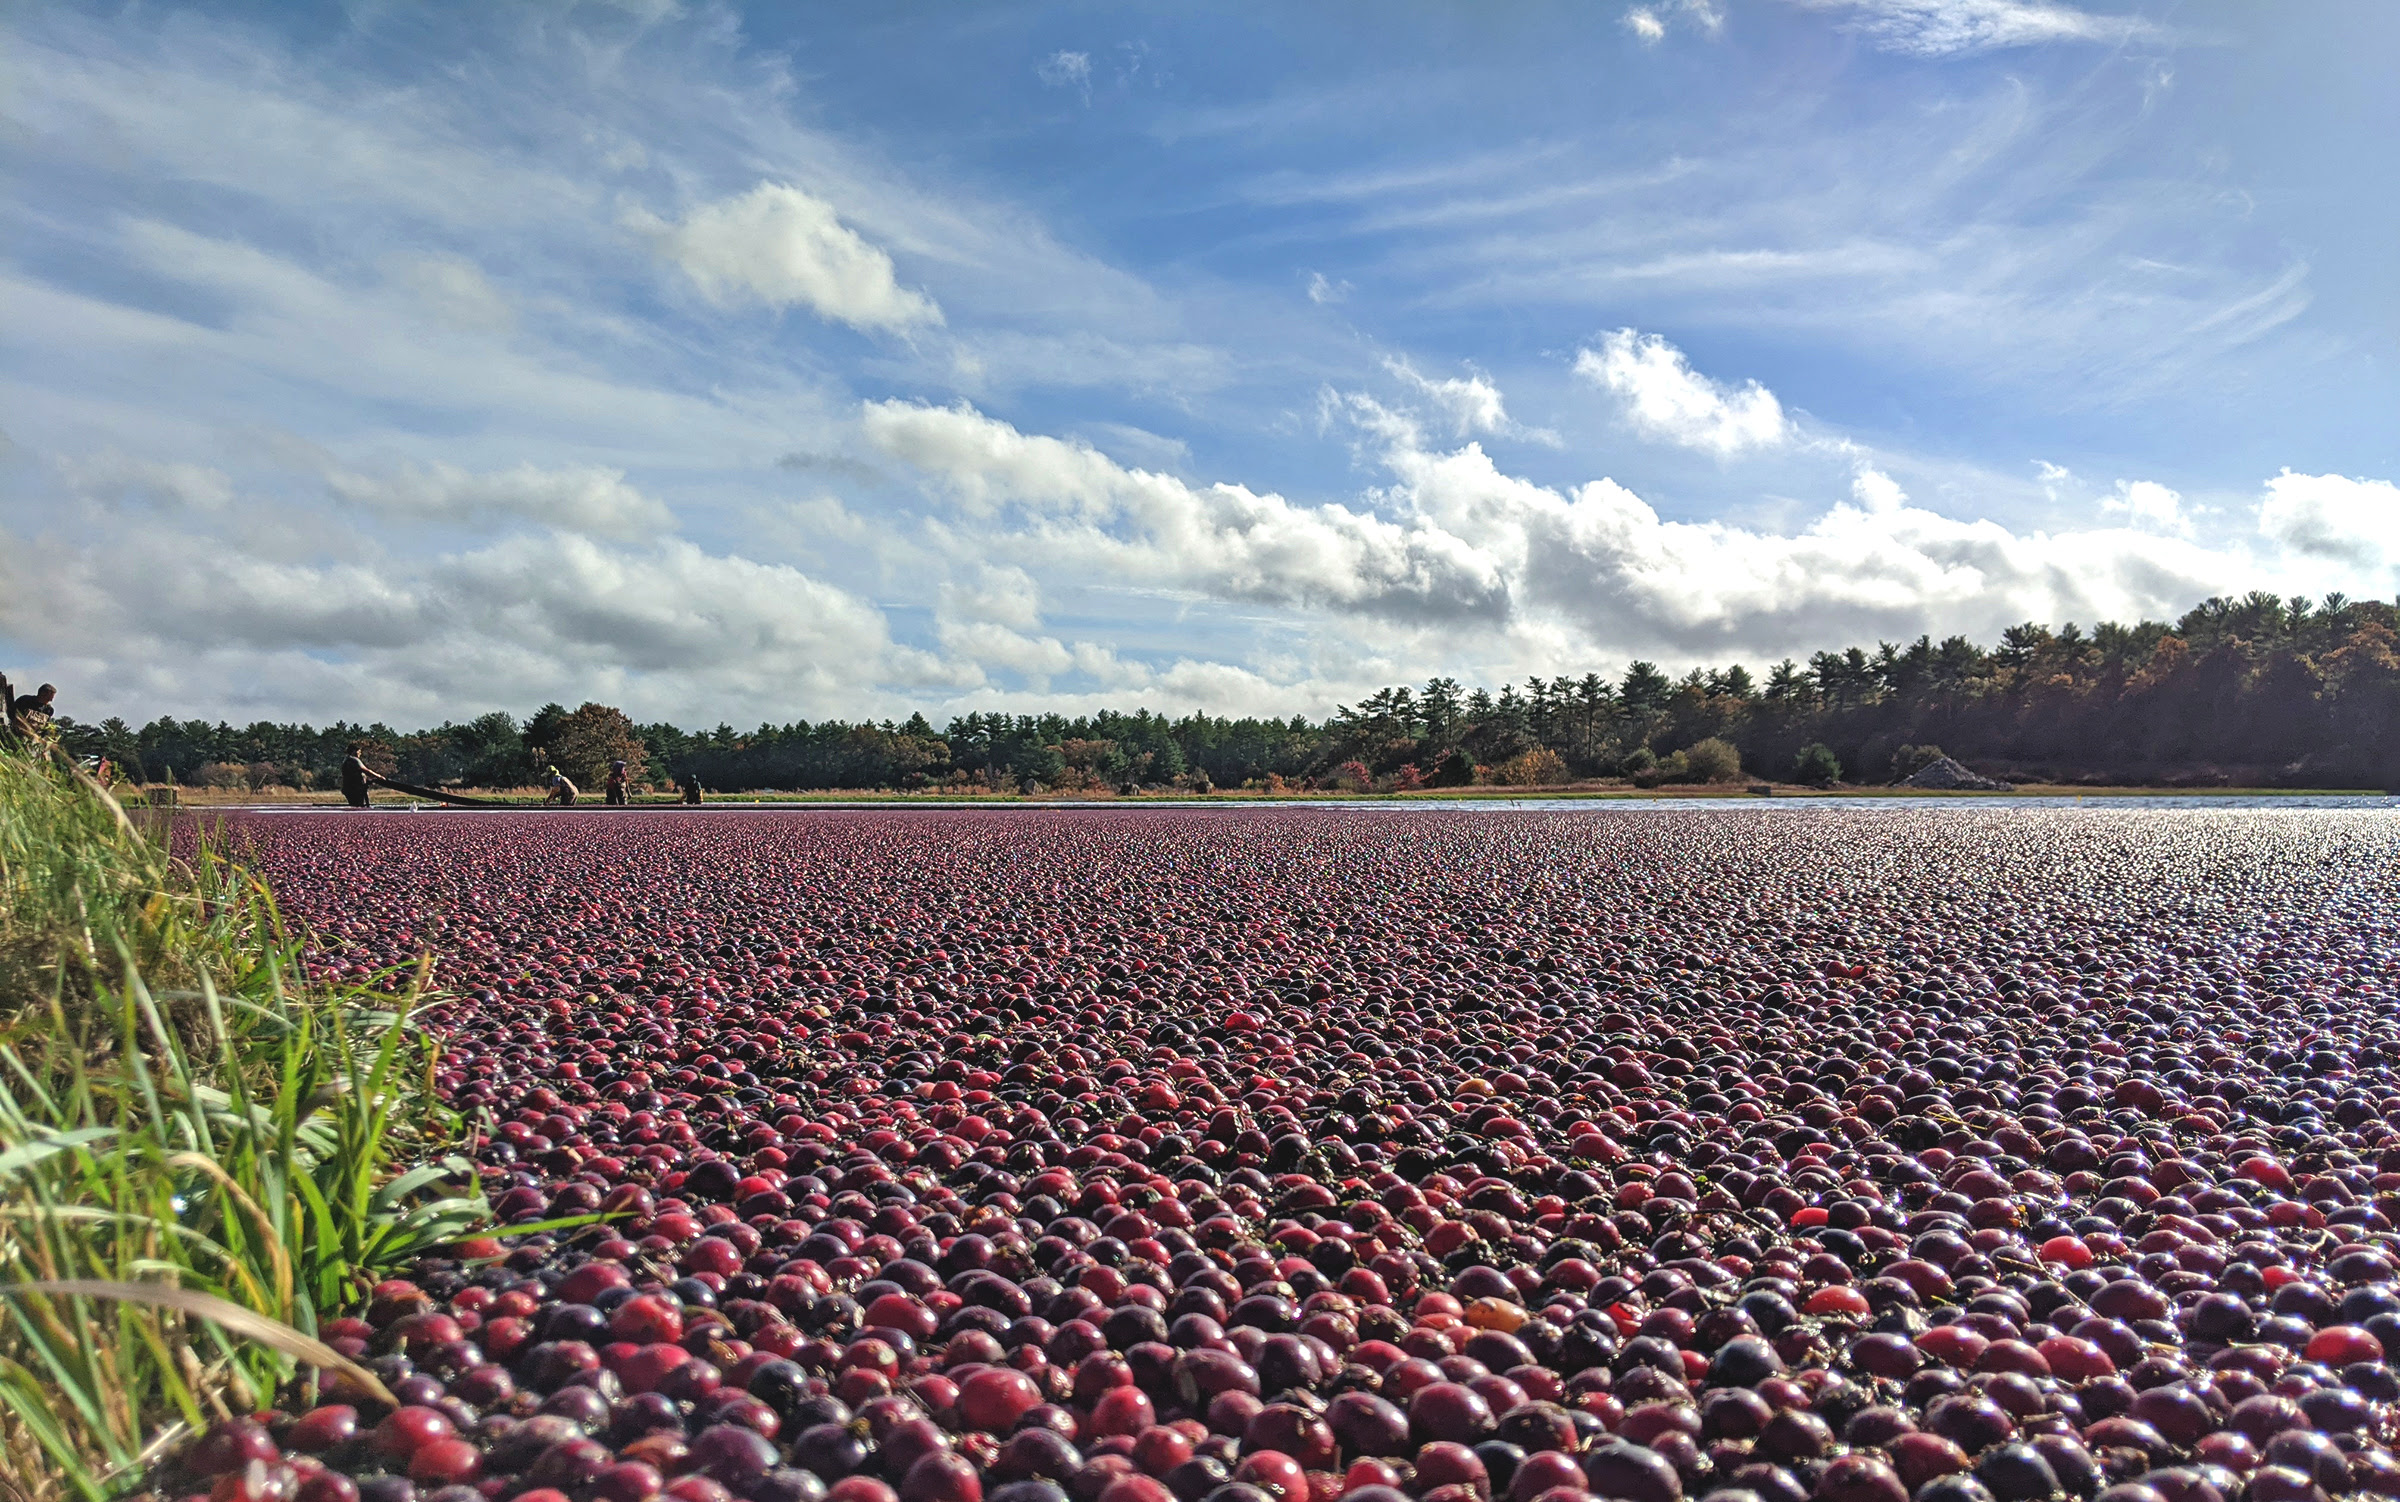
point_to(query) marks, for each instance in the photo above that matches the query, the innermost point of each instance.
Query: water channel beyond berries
(1096, 1155)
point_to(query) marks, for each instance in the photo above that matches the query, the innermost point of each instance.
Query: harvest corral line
(1727, 804)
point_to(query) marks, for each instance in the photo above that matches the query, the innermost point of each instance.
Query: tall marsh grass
(200, 1153)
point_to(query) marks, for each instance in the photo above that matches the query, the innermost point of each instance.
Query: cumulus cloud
(2334, 518)
(1001, 595)
(1649, 23)
(1449, 563)
(2150, 505)
(577, 498)
(1467, 404)
(1455, 542)
(1602, 560)
(666, 608)
(1945, 28)
(1876, 491)
(529, 617)
(1666, 399)
(1071, 508)
(153, 586)
(783, 247)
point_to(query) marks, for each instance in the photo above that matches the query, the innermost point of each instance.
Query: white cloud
(1600, 563)
(1468, 404)
(1453, 564)
(1944, 28)
(467, 310)
(1878, 492)
(1139, 446)
(1000, 595)
(648, 12)
(784, 247)
(662, 629)
(667, 608)
(117, 477)
(1070, 509)
(2335, 518)
(988, 358)
(456, 292)
(1067, 70)
(1649, 23)
(1667, 399)
(1493, 562)
(305, 346)
(576, 498)
(2150, 505)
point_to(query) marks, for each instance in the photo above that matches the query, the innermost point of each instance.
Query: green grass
(210, 1152)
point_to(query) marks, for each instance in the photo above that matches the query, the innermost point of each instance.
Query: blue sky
(410, 361)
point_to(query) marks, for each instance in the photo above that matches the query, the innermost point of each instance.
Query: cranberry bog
(1896, 1155)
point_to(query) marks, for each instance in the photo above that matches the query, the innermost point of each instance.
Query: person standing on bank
(618, 776)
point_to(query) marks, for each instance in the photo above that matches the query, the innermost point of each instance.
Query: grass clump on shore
(201, 1154)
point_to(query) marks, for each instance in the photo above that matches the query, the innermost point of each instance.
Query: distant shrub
(1816, 765)
(1636, 762)
(221, 774)
(1408, 779)
(1456, 771)
(1669, 768)
(1908, 761)
(1536, 768)
(1713, 760)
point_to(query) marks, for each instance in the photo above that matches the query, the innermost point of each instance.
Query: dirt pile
(1949, 776)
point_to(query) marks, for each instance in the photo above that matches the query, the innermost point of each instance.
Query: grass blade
(272, 1334)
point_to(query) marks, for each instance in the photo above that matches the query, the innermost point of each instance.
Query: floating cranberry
(234, 1444)
(407, 1430)
(327, 1427)
(445, 1462)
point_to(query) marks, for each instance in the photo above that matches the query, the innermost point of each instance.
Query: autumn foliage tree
(585, 742)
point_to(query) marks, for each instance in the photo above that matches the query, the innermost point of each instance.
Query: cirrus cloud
(1947, 28)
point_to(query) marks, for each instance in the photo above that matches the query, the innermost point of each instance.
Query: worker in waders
(617, 779)
(691, 788)
(355, 777)
(562, 791)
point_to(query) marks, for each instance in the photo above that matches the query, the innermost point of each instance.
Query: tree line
(2256, 691)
